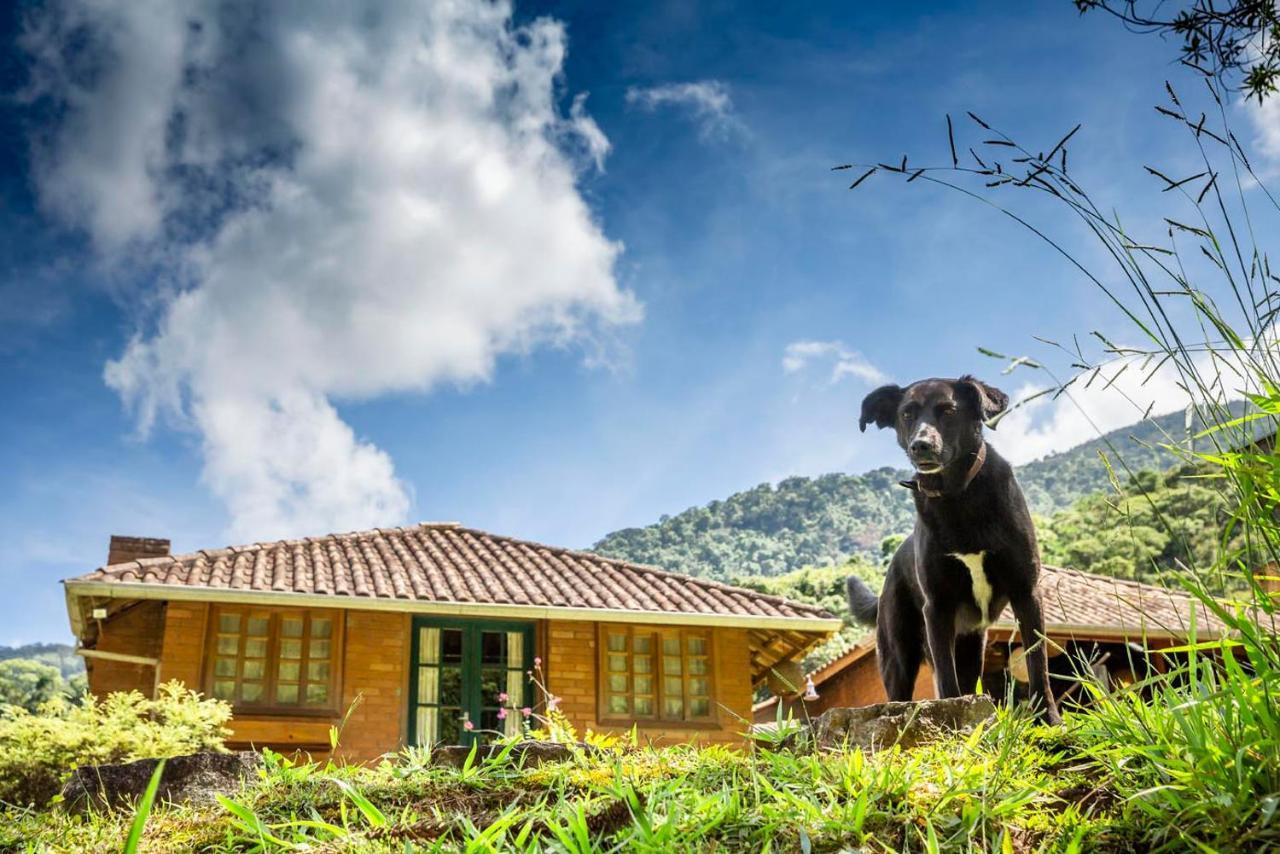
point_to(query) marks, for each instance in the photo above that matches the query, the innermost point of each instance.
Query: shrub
(38, 751)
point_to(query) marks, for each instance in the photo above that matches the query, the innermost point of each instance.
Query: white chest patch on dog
(978, 575)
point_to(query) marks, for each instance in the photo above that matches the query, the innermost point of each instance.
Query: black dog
(973, 550)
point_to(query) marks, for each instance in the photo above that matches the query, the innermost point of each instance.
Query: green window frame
(457, 669)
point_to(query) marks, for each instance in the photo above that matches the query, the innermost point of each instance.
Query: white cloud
(708, 101)
(352, 199)
(844, 362)
(1266, 125)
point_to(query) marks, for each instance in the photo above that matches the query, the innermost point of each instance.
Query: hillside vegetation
(822, 521)
(59, 655)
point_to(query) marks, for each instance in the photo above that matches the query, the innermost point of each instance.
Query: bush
(38, 751)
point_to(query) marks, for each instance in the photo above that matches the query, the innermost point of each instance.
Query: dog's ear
(880, 407)
(989, 400)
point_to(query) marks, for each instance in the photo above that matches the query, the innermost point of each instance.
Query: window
(275, 660)
(468, 671)
(656, 674)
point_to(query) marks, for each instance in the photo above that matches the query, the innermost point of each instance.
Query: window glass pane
(317, 694)
(643, 684)
(699, 687)
(224, 689)
(319, 649)
(291, 627)
(644, 705)
(428, 646)
(696, 646)
(254, 668)
(451, 686)
(672, 707)
(493, 648)
(428, 686)
(251, 692)
(697, 666)
(642, 643)
(224, 667)
(617, 704)
(426, 721)
(700, 708)
(255, 648)
(451, 645)
(318, 671)
(618, 682)
(228, 645)
(492, 681)
(515, 699)
(229, 623)
(673, 686)
(617, 642)
(258, 626)
(291, 649)
(671, 664)
(321, 627)
(642, 665)
(450, 726)
(671, 645)
(617, 664)
(286, 693)
(289, 671)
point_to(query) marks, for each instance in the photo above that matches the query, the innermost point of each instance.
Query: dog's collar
(979, 459)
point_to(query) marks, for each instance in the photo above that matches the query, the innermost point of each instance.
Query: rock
(908, 724)
(192, 779)
(527, 753)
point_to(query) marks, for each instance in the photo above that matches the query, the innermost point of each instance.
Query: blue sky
(560, 314)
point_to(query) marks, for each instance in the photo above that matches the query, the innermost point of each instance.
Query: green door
(460, 669)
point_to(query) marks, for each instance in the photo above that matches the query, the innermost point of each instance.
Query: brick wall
(376, 666)
(136, 630)
(570, 667)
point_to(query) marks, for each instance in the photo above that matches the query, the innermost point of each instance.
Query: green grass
(1175, 778)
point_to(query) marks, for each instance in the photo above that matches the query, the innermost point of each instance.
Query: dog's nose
(922, 446)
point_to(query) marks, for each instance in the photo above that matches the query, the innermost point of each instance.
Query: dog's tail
(862, 602)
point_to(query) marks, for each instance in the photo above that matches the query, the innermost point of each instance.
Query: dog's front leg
(940, 631)
(1026, 609)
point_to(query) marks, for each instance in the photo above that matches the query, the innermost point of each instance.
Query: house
(421, 631)
(1114, 626)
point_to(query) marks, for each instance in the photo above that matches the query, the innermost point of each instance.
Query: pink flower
(537, 662)
(552, 703)
(468, 726)
(502, 714)
(526, 711)
(502, 697)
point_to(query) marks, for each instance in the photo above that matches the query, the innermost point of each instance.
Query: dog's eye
(946, 411)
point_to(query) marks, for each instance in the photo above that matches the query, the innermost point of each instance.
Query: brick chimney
(125, 549)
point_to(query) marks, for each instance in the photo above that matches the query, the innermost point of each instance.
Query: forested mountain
(802, 521)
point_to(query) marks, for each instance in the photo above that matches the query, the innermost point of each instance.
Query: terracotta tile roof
(1078, 600)
(447, 563)
(1071, 598)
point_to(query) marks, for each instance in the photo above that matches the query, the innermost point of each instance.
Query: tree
(29, 684)
(1218, 39)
